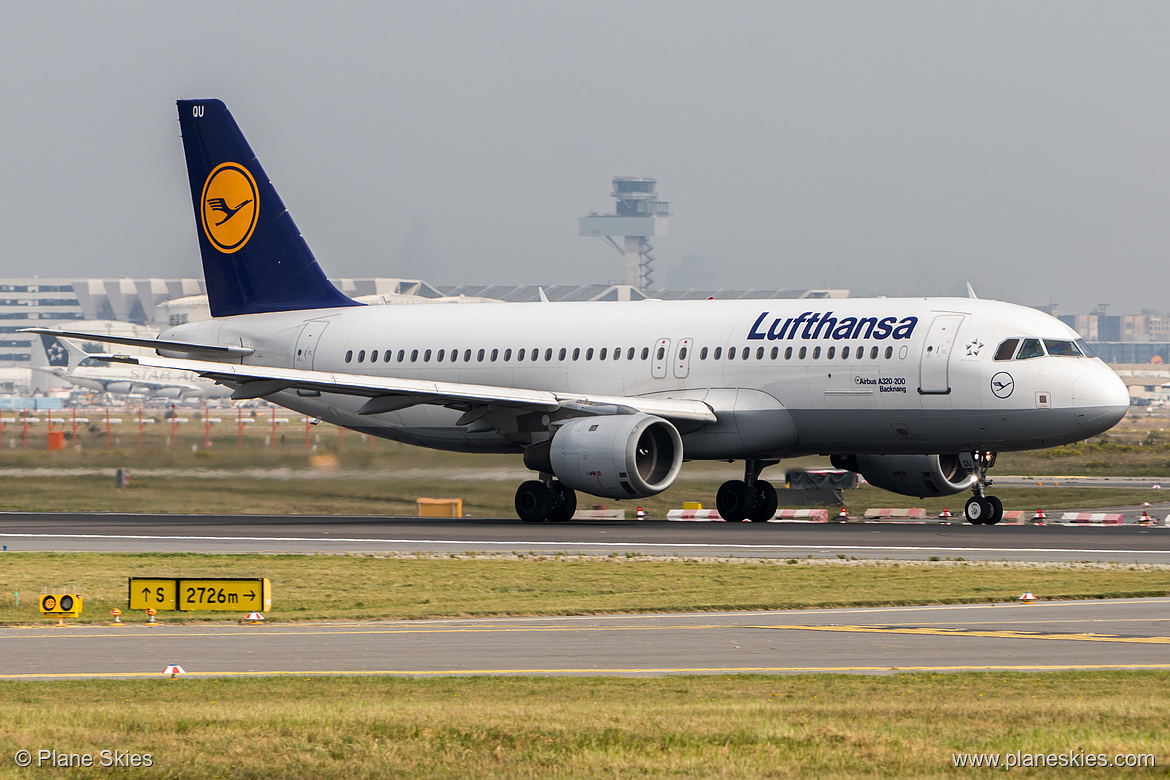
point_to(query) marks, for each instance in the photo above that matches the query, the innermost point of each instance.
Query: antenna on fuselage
(971, 291)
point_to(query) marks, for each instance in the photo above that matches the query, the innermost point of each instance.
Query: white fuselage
(785, 377)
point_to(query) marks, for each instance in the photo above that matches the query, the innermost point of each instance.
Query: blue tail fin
(254, 258)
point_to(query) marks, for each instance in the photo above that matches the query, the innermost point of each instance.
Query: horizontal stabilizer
(208, 350)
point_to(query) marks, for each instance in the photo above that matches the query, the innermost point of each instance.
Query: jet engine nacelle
(615, 456)
(921, 476)
(168, 392)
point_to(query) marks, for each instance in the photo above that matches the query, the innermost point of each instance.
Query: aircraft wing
(388, 394)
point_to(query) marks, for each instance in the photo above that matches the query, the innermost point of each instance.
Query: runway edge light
(1027, 598)
(174, 670)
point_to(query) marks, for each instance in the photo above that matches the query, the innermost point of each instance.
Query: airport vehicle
(609, 398)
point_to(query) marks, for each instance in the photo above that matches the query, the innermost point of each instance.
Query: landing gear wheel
(996, 513)
(734, 500)
(534, 501)
(978, 510)
(564, 503)
(766, 502)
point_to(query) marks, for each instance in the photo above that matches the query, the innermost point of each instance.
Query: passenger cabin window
(731, 354)
(630, 354)
(349, 356)
(576, 352)
(495, 354)
(718, 352)
(1031, 348)
(389, 354)
(873, 352)
(601, 356)
(361, 356)
(703, 353)
(479, 356)
(561, 354)
(589, 354)
(467, 355)
(645, 353)
(507, 354)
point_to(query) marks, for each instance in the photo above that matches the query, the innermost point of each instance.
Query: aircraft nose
(1100, 399)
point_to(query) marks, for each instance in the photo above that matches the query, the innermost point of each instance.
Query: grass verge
(365, 587)
(831, 726)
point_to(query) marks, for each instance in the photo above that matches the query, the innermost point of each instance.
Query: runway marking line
(965, 632)
(641, 544)
(600, 671)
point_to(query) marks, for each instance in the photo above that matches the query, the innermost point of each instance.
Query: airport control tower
(639, 216)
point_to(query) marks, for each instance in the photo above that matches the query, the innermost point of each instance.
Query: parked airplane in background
(69, 363)
(609, 398)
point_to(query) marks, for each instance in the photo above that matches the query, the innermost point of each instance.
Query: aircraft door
(307, 344)
(660, 358)
(933, 377)
(682, 358)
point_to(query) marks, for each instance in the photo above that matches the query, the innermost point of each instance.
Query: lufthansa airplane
(609, 398)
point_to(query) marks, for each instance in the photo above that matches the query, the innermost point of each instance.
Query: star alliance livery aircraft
(609, 398)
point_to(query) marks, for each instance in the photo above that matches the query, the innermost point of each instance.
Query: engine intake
(921, 476)
(615, 456)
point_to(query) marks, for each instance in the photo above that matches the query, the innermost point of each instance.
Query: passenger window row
(604, 353)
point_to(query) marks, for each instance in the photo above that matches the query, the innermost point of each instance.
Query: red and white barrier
(599, 514)
(1094, 518)
(895, 514)
(694, 515)
(798, 515)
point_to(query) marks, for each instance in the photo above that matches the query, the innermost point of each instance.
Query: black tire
(564, 503)
(766, 503)
(996, 513)
(533, 501)
(977, 510)
(734, 500)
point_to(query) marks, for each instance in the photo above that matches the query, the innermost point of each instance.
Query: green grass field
(360, 587)
(826, 726)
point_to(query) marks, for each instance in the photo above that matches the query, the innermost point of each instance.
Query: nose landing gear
(982, 509)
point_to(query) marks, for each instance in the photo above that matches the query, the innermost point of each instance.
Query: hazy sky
(885, 147)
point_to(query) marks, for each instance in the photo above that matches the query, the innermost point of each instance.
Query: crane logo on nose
(1002, 384)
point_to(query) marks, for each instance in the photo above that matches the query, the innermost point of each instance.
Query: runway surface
(1114, 634)
(289, 534)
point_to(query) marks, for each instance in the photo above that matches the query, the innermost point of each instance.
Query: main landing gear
(983, 509)
(750, 498)
(545, 499)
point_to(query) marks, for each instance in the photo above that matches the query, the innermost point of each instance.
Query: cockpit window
(1029, 349)
(1086, 350)
(1061, 348)
(1007, 349)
